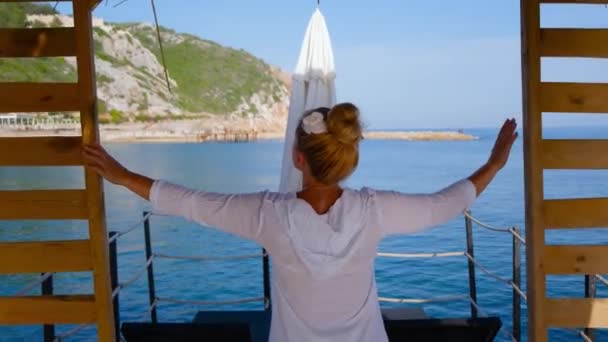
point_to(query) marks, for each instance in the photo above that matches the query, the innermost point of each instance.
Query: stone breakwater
(144, 133)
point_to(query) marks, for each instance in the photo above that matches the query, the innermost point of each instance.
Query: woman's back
(323, 270)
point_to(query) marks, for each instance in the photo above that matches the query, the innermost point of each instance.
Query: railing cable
(134, 278)
(205, 303)
(421, 255)
(443, 299)
(208, 258)
(33, 284)
(130, 229)
(485, 225)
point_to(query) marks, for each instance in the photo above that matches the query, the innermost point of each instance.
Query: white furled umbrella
(313, 86)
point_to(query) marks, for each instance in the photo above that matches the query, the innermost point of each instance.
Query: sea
(407, 166)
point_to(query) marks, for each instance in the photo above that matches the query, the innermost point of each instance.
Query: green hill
(206, 77)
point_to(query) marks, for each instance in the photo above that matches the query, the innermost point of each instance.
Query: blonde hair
(334, 155)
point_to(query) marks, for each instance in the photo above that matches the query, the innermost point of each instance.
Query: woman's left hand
(102, 162)
(504, 143)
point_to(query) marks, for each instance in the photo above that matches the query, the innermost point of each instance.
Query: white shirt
(323, 286)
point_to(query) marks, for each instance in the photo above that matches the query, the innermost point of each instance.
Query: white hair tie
(314, 123)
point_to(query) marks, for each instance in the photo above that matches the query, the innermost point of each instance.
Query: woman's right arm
(238, 214)
(406, 213)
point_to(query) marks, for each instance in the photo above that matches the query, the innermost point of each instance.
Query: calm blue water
(399, 165)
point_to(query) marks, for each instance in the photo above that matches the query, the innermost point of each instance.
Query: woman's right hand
(504, 143)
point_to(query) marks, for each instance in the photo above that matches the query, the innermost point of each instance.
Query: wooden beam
(41, 151)
(78, 309)
(38, 97)
(575, 213)
(94, 4)
(533, 173)
(574, 97)
(35, 1)
(576, 259)
(37, 42)
(575, 154)
(87, 94)
(577, 313)
(43, 205)
(570, 42)
(590, 2)
(48, 256)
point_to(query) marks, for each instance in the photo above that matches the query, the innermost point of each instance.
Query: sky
(405, 63)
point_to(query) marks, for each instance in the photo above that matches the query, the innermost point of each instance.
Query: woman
(322, 239)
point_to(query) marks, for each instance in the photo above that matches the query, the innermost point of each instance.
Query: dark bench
(253, 326)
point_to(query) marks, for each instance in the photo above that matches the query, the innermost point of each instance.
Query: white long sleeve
(409, 213)
(237, 214)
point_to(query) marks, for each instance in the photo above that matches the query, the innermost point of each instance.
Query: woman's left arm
(238, 214)
(106, 166)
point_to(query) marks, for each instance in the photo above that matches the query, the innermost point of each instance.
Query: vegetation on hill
(25, 69)
(210, 77)
(206, 77)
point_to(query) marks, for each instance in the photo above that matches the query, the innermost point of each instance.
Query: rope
(219, 302)
(149, 311)
(206, 258)
(488, 272)
(423, 300)
(160, 44)
(71, 332)
(134, 278)
(468, 215)
(584, 336)
(519, 292)
(29, 287)
(517, 236)
(130, 229)
(509, 282)
(601, 279)
(421, 255)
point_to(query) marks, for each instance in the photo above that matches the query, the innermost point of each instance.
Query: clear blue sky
(406, 63)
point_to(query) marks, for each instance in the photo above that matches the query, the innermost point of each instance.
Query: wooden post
(115, 283)
(471, 266)
(87, 93)
(266, 276)
(48, 329)
(151, 285)
(533, 172)
(517, 281)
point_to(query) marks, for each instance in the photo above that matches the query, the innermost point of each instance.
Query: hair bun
(343, 123)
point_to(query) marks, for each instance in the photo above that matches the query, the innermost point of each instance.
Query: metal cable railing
(514, 283)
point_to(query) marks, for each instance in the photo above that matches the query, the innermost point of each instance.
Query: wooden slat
(575, 154)
(576, 313)
(574, 97)
(575, 213)
(37, 42)
(576, 259)
(41, 151)
(43, 205)
(47, 310)
(47, 256)
(87, 94)
(570, 42)
(38, 97)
